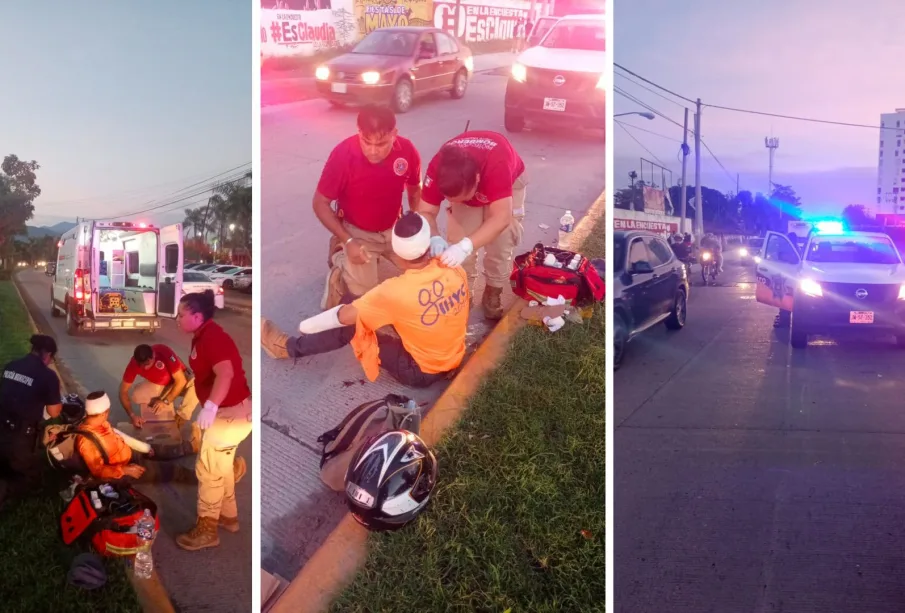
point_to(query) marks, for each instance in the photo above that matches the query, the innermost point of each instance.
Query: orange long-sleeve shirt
(118, 452)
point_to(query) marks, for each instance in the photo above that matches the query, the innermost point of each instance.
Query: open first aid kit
(107, 516)
(548, 272)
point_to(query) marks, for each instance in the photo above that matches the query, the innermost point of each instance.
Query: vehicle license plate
(554, 104)
(338, 88)
(861, 317)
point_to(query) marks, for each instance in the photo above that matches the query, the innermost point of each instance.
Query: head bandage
(97, 406)
(413, 247)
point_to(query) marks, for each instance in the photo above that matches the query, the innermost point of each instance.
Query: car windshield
(205, 267)
(618, 254)
(543, 26)
(578, 36)
(400, 44)
(227, 270)
(195, 277)
(852, 250)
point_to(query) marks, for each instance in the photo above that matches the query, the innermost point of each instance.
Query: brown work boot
(334, 288)
(203, 535)
(273, 340)
(230, 524)
(239, 469)
(335, 247)
(493, 307)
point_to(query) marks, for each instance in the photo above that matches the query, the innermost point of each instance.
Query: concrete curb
(151, 594)
(335, 563)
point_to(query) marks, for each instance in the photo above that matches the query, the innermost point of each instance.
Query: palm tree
(232, 203)
(194, 219)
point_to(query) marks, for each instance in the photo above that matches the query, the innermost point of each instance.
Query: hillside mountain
(54, 230)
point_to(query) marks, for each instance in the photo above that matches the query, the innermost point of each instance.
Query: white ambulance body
(117, 275)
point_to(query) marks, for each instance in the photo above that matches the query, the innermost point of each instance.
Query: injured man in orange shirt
(426, 308)
(119, 462)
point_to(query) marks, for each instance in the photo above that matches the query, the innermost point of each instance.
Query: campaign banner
(373, 14)
(654, 202)
(480, 20)
(305, 32)
(664, 228)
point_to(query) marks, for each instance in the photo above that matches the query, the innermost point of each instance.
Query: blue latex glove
(438, 245)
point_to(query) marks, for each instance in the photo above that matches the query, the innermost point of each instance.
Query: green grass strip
(34, 560)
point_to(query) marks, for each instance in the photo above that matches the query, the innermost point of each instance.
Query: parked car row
(225, 276)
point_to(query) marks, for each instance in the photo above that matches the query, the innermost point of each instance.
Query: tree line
(225, 220)
(728, 213)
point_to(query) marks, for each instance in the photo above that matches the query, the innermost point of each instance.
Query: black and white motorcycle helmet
(390, 480)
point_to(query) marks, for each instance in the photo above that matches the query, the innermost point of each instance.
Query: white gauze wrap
(327, 320)
(96, 406)
(413, 247)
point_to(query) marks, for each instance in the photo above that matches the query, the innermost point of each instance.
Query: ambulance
(114, 275)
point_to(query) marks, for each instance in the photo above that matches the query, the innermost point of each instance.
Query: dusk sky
(124, 104)
(829, 60)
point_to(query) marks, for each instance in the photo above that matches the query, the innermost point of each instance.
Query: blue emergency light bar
(128, 224)
(829, 227)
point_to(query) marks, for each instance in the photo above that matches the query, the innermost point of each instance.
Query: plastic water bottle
(566, 225)
(144, 563)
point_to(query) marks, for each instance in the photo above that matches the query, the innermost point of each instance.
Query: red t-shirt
(499, 166)
(370, 195)
(166, 364)
(210, 346)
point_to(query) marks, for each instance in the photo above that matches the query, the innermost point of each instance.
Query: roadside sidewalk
(345, 551)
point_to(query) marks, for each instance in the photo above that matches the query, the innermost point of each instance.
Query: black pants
(21, 467)
(393, 356)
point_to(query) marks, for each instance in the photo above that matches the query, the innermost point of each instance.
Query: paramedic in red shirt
(366, 175)
(163, 371)
(483, 179)
(225, 417)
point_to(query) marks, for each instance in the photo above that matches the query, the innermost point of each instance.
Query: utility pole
(684, 199)
(772, 144)
(698, 204)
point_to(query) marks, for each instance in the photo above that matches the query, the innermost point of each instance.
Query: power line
(236, 179)
(640, 144)
(717, 160)
(654, 92)
(109, 195)
(634, 127)
(762, 113)
(660, 87)
(621, 92)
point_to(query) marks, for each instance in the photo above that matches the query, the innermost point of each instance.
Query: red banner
(658, 227)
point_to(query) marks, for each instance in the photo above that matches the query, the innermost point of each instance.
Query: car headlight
(469, 64)
(743, 252)
(372, 77)
(519, 72)
(322, 73)
(757, 259)
(601, 83)
(811, 288)
(902, 293)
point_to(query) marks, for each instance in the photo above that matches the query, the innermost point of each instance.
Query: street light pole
(772, 144)
(684, 199)
(698, 204)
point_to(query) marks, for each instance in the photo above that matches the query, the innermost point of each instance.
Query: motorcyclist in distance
(712, 243)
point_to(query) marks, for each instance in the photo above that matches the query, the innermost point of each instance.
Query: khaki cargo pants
(361, 278)
(145, 391)
(214, 466)
(463, 220)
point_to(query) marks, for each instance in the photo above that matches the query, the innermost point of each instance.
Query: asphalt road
(216, 579)
(304, 399)
(751, 478)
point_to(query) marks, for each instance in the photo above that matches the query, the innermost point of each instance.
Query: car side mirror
(642, 268)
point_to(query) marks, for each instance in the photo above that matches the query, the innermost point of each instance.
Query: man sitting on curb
(120, 462)
(427, 307)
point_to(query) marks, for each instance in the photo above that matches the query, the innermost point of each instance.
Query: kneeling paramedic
(427, 307)
(166, 380)
(484, 181)
(119, 462)
(28, 388)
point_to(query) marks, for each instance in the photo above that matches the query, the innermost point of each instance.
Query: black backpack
(62, 451)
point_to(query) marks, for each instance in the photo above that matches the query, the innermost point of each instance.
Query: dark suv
(651, 286)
